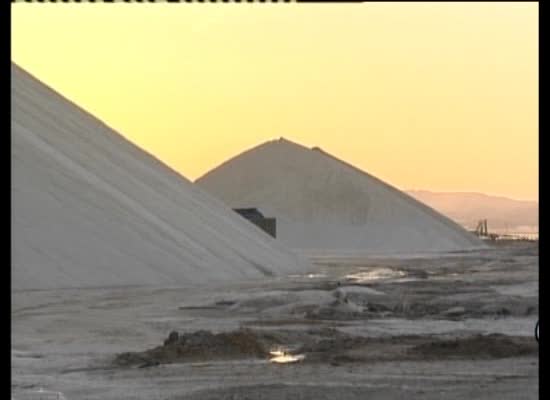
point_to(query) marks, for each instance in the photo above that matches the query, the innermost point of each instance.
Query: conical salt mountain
(324, 204)
(91, 209)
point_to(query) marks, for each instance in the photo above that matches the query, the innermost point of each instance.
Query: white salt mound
(324, 204)
(91, 209)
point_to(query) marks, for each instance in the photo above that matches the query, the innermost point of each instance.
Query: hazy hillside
(467, 208)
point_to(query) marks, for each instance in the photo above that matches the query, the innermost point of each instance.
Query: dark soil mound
(478, 347)
(195, 346)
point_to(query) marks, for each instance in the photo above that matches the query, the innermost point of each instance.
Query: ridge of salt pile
(325, 206)
(89, 208)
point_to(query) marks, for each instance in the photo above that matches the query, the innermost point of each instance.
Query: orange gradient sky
(436, 96)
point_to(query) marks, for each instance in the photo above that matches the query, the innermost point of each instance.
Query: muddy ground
(455, 326)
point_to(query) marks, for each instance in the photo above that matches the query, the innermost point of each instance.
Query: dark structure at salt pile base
(268, 225)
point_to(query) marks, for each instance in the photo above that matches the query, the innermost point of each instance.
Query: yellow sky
(436, 96)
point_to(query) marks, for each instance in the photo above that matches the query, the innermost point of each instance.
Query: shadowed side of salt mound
(321, 202)
(91, 209)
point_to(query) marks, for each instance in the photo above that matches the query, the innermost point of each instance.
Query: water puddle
(282, 356)
(309, 276)
(375, 274)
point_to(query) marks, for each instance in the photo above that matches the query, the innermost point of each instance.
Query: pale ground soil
(370, 329)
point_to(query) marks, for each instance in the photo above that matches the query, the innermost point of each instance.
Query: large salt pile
(91, 209)
(322, 203)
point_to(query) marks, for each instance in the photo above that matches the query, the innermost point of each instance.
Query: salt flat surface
(325, 205)
(91, 209)
(63, 340)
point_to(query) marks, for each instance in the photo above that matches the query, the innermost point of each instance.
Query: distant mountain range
(502, 214)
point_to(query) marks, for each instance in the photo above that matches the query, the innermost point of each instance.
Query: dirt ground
(455, 326)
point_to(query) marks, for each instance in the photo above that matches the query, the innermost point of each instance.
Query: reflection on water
(316, 275)
(310, 276)
(287, 358)
(375, 274)
(281, 357)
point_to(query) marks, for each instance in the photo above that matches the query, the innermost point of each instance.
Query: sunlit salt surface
(91, 209)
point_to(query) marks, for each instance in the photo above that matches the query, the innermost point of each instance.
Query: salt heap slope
(322, 203)
(91, 209)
